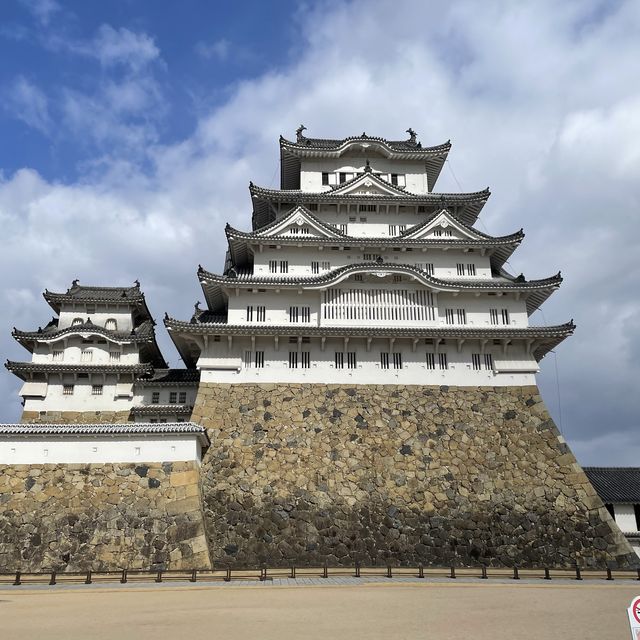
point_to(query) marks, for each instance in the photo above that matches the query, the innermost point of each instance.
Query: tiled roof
(411, 145)
(162, 409)
(615, 484)
(125, 429)
(171, 377)
(22, 368)
(143, 333)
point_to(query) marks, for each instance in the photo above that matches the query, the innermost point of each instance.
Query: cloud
(123, 47)
(25, 101)
(541, 102)
(42, 10)
(218, 49)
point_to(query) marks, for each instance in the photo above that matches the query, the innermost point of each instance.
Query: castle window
(284, 266)
(86, 355)
(325, 177)
(398, 179)
(431, 361)
(315, 267)
(493, 316)
(442, 361)
(325, 265)
(358, 277)
(293, 359)
(429, 268)
(67, 390)
(155, 397)
(363, 219)
(343, 228)
(471, 269)
(397, 278)
(250, 314)
(368, 208)
(476, 361)
(273, 266)
(370, 257)
(402, 228)
(114, 356)
(393, 229)
(173, 397)
(351, 360)
(352, 218)
(384, 360)
(455, 316)
(111, 324)
(339, 360)
(259, 360)
(305, 359)
(183, 397)
(96, 389)
(488, 361)
(261, 313)
(77, 321)
(462, 316)
(293, 314)
(505, 316)
(58, 355)
(397, 361)
(153, 420)
(460, 269)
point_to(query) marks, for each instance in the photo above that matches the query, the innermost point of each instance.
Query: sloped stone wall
(76, 417)
(300, 473)
(101, 517)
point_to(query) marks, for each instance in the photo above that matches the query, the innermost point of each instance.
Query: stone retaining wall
(300, 473)
(101, 517)
(76, 417)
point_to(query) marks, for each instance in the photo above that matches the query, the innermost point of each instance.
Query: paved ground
(329, 609)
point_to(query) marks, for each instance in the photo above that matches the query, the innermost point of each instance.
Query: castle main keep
(360, 379)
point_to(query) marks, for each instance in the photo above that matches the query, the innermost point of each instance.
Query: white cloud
(218, 49)
(540, 99)
(122, 46)
(26, 102)
(42, 9)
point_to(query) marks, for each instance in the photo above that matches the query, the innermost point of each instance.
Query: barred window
(384, 360)
(305, 313)
(273, 266)
(293, 314)
(114, 356)
(96, 389)
(173, 397)
(305, 359)
(393, 229)
(488, 361)
(155, 397)
(367, 207)
(351, 359)
(429, 268)
(86, 355)
(261, 313)
(402, 228)
(431, 360)
(111, 324)
(339, 360)
(293, 359)
(250, 314)
(462, 316)
(460, 268)
(358, 277)
(476, 361)
(471, 269)
(370, 257)
(442, 361)
(284, 266)
(67, 390)
(397, 361)
(259, 360)
(182, 397)
(397, 278)
(343, 228)
(505, 316)
(315, 267)
(58, 355)
(493, 316)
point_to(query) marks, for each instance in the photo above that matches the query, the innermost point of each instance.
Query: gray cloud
(541, 102)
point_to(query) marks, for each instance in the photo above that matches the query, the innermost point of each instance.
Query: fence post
(357, 569)
(123, 578)
(516, 575)
(227, 578)
(325, 570)
(193, 576)
(88, 578)
(53, 578)
(547, 573)
(638, 570)
(263, 573)
(609, 576)
(453, 572)
(293, 572)
(420, 571)
(578, 573)
(18, 581)
(484, 572)
(159, 576)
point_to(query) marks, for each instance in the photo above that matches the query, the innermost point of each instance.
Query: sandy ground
(372, 611)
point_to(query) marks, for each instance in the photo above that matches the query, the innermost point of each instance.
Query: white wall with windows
(366, 361)
(101, 315)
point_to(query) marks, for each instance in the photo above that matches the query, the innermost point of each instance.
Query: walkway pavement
(339, 607)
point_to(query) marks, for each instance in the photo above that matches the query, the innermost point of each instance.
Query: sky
(129, 132)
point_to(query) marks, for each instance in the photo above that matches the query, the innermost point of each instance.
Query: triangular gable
(368, 184)
(298, 219)
(443, 221)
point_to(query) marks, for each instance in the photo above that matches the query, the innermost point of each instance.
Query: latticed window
(182, 399)
(86, 355)
(460, 269)
(96, 389)
(173, 397)
(488, 361)
(284, 266)
(315, 267)
(339, 359)
(369, 208)
(351, 360)
(305, 359)
(155, 397)
(114, 356)
(393, 229)
(261, 313)
(273, 266)
(384, 360)
(442, 361)
(471, 269)
(476, 360)
(397, 361)
(402, 228)
(293, 359)
(293, 314)
(111, 324)
(493, 316)
(67, 390)
(431, 361)
(505, 316)
(249, 314)
(259, 360)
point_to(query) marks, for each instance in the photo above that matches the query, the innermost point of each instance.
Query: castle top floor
(317, 164)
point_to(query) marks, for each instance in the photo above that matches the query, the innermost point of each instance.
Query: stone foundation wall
(76, 417)
(300, 473)
(101, 517)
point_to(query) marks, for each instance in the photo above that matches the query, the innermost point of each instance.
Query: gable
(368, 184)
(442, 226)
(300, 223)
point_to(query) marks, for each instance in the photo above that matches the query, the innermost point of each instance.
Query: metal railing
(264, 573)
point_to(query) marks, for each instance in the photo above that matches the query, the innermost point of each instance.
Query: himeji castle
(359, 386)
(357, 272)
